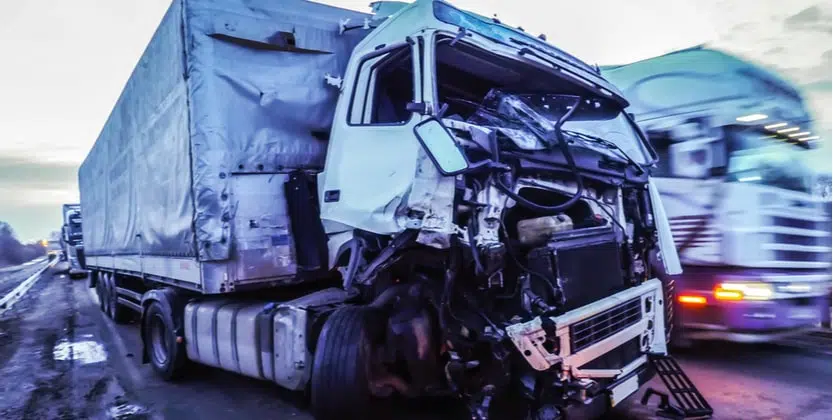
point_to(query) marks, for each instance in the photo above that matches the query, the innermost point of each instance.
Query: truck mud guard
(307, 229)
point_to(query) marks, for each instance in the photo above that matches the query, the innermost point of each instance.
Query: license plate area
(623, 390)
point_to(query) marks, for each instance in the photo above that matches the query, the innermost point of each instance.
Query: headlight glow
(743, 291)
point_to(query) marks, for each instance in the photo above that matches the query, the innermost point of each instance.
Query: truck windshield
(591, 125)
(486, 89)
(755, 158)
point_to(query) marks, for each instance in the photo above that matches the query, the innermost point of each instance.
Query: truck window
(384, 86)
(466, 73)
(661, 145)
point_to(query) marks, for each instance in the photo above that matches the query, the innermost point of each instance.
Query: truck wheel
(116, 311)
(340, 388)
(166, 355)
(101, 290)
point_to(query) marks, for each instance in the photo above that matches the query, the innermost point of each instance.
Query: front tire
(167, 355)
(340, 386)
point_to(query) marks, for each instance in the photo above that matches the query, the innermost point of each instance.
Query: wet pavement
(62, 359)
(53, 359)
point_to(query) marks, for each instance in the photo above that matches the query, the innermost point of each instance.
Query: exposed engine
(535, 240)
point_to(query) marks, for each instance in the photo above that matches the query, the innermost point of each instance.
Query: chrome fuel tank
(263, 340)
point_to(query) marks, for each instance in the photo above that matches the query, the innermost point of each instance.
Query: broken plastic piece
(342, 25)
(333, 80)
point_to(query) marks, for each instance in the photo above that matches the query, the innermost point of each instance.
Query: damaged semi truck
(419, 201)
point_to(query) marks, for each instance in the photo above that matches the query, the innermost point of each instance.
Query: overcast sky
(64, 64)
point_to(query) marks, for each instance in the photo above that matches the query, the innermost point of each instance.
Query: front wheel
(167, 355)
(340, 385)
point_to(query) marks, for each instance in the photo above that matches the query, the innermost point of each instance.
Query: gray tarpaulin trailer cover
(228, 97)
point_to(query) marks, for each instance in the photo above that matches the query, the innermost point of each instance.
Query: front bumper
(586, 334)
(612, 395)
(790, 311)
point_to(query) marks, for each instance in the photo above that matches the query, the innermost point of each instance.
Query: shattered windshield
(592, 125)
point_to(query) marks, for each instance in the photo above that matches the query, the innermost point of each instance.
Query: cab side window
(384, 87)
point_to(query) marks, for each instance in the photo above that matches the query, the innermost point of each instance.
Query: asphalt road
(61, 358)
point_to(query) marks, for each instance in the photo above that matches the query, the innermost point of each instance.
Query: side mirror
(441, 147)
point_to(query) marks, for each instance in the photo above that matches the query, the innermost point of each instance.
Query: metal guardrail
(7, 301)
(14, 268)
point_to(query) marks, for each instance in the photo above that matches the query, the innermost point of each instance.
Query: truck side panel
(259, 103)
(228, 98)
(135, 184)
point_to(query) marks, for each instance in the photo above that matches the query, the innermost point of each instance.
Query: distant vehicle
(352, 204)
(72, 240)
(53, 246)
(752, 231)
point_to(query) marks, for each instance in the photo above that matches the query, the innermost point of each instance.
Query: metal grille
(585, 333)
(786, 238)
(803, 256)
(796, 223)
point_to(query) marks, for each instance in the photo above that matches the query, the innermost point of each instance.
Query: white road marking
(134, 374)
(125, 411)
(6, 302)
(85, 351)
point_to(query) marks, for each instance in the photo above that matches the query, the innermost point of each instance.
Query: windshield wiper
(605, 143)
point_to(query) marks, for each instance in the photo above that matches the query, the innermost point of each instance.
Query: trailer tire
(339, 384)
(116, 311)
(102, 297)
(167, 356)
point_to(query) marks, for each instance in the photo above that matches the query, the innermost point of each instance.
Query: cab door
(373, 154)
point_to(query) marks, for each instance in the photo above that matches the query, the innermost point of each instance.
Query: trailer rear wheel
(100, 292)
(116, 311)
(340, 387)
(166, 354)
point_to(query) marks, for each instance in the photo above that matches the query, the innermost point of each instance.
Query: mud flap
(307, 229)
(690, 403)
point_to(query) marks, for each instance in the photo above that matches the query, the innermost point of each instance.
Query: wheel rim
(159, 340)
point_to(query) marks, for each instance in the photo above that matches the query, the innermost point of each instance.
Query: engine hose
(565, 150)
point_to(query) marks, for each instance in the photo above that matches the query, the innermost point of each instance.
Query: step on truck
(416, 202)
(753, 237)
(72, 243)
